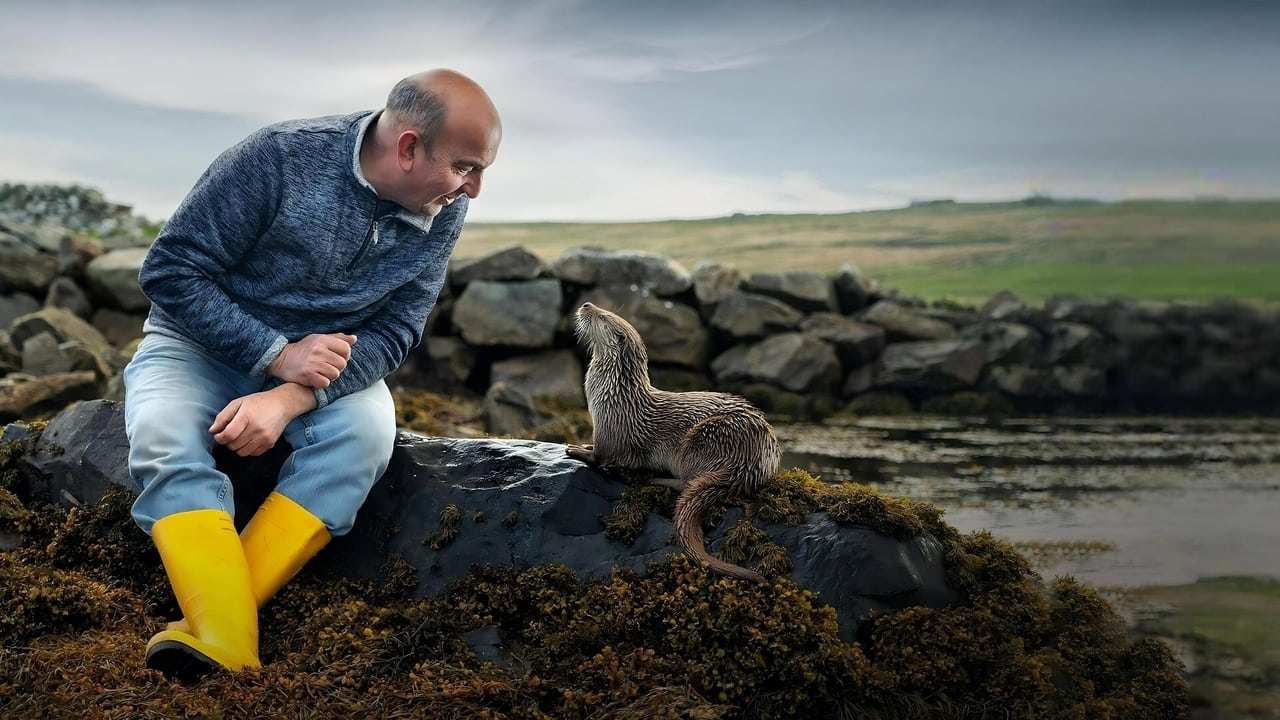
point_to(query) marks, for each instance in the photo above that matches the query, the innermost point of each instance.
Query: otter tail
(699, 494)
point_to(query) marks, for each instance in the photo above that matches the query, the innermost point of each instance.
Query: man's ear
(406, 150)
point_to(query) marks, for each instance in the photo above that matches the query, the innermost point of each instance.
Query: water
(1114, 502)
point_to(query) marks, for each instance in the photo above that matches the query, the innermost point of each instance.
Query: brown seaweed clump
(674, 642)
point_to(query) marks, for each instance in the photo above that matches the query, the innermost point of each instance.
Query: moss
(478, 517)
(510, 519)
(450, 524)
(673, 642)
(749, 546)
(629, 513)
(434, 414)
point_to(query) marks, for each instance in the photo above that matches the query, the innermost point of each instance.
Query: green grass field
(1159, 250)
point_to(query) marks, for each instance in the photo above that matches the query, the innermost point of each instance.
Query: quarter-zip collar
(421, 222)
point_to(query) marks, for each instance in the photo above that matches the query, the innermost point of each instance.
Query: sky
(626, 111)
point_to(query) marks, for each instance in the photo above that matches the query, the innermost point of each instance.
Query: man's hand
(315, 360)
(251, 425)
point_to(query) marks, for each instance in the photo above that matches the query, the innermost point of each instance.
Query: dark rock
(554, 374)
(28, 396)
(15, 306)
(445, 364)
(853, 290)
(597, 266)
(746, 316)
(511, 263)
(1022, 381)
(23, 266)
(1075, 343)
(879, 403)
(792, 361)
(806, 291)
(937, 366)
(678, 379)
(114, 275)
(856, 343)
(65, 326)
(901, 323)
(1080, 380)
(556, 502)
(509, 410)
(118, 327)
(1003, 305)
(1006, 342)
(713, 282)
(75, 252)
(859, 380)
(41, 356)
(66, 294)
(672, 332)
(513, 314)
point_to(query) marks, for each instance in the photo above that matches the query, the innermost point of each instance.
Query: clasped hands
(251, 425)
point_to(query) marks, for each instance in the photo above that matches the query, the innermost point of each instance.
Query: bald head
(429, 100)
(438, 134)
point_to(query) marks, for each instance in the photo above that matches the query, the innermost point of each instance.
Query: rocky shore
(800, 344)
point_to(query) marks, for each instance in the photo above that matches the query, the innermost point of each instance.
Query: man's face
(452, 167)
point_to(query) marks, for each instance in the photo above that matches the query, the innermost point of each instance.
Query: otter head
(612, 340)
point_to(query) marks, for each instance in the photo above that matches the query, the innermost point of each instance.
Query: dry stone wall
(802, 344)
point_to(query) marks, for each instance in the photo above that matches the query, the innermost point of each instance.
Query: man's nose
(472, 186)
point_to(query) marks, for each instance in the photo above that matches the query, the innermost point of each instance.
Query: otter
(716, 445)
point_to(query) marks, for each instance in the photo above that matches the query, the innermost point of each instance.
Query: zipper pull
(375, 232)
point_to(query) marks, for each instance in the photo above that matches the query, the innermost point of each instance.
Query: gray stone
(1022, 381)
(1080, 380)
(1075, 343)
(66, 326)
(899, 322)
(1006, 342)
(26, 396)
(678, 379)
(936, 366)
(554, 374)
(746, 316)
(859, 380)
(792, 361)
(23, 267)
(713, 282)
(806, 291)
(597, 266)
(448, 364)
(853, 290)
(66, 294)
(509, 410)
(75, 252)
(118, 327)
(115, 275)
(510, 263)
(40, 356)
(672, 332)
(513, 314)
(1003, 305)
(856, 343)
(556, 503)
(15, 306)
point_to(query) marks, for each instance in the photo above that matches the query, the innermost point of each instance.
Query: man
(294, 277)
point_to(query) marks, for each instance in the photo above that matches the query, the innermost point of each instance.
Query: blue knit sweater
(282, 237)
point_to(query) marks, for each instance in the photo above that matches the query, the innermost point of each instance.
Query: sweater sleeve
(231, 206)
(385, 339)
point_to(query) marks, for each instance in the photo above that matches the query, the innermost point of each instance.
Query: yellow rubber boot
(281, 537)
(210, 579)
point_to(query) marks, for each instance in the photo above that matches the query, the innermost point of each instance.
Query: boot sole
(178, 661)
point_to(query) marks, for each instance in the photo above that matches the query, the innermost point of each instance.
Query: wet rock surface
(510, 502)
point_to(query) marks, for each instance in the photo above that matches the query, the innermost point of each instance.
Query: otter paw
(580, 452)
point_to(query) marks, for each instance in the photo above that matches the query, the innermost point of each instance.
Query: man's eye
(462, 170)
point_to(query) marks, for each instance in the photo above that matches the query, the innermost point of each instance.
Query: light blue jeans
(173, 391)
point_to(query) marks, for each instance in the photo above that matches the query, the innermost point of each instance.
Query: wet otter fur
(717, 445)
